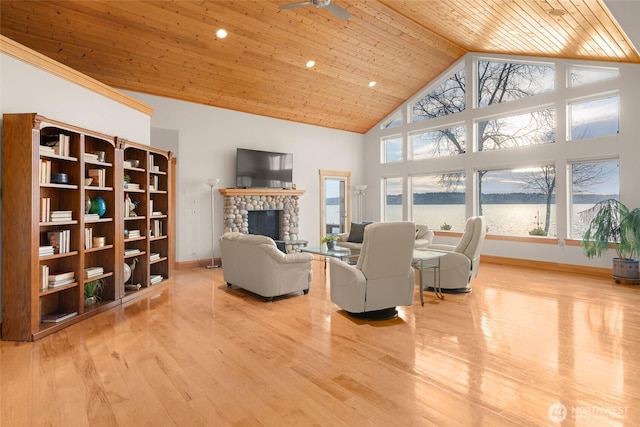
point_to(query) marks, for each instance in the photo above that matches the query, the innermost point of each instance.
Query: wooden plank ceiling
(170, 48)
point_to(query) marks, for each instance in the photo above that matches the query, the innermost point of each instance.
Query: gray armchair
(254, 263)
(461, 262)
(383, 277)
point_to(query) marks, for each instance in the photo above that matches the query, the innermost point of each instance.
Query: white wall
(27, 89)
(208, 138)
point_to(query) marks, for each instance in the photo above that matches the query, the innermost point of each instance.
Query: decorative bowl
(88, 181)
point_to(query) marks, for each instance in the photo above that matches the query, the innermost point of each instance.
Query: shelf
(50, 291)
(134, 218)
(96, 221)
(157, 192)
(59, 157)
(131, 168)
(97, 163)
(98, 277)
(158, 238)
(134, 255)
(155, 261)
(101, 248)
(50, 223)
(62, 186)
(96, 188)
(158, 172)
(134, 190)
(57, 256)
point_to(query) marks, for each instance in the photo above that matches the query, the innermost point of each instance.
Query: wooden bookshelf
(46, 197)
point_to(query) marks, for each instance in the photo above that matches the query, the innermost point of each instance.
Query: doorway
(335, 202)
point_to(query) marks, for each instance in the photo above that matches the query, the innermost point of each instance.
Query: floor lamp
(360, 189)
(213, 183)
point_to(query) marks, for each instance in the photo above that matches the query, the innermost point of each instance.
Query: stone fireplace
(239, 202)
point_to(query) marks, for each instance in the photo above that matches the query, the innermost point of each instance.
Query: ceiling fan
(336, 10)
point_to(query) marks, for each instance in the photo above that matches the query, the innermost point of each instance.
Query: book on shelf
(88, 238)
(44, 277)
(91, 216)
(45, 209)
(58, 283)
(46, 250)
(59, 143)
(155, 278)
(156, 213)
(59, 240)
(45, 149)
(45, 171)
(93, 271)
(61, 216)
(134, 234)
(90, 156)
(156, 228)
(131, 251)
(151, 162)
(61, 276)
(59, 316)
(154, 256)
(127, 163)
(99, 176)
(133, 186)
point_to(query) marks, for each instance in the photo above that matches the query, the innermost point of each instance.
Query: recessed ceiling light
(221, 33)
(556, 12)
(311, 63)
(372, 83)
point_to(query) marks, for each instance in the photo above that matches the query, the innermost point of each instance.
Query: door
(335, 203)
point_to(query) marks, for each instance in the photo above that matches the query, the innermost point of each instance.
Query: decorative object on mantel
(213, 182)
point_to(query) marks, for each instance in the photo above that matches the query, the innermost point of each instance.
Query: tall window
(392, 188)
(439, 200)
(395, 121)
(446, 99)
(507, 81)
(596, 117)
(519, 202)
(536, 127)
(438, 143)
(579, 76)
(591, 182)
(392, 149)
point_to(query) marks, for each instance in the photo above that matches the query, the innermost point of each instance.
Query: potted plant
(91, 291)
(611, 222)
(330, 240)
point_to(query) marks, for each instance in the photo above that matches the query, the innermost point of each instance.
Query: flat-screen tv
(263, 169)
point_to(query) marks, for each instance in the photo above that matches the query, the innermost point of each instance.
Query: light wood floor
(522, 344)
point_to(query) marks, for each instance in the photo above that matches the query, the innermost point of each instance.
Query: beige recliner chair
(255, 263)
(461, 262)
(382, 278)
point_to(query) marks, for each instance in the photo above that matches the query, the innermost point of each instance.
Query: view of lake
(505, 219)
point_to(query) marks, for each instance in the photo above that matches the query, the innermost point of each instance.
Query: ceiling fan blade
(338, 12)
(293, 5)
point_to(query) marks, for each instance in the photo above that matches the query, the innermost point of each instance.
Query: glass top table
(425, 259)
(344, 254)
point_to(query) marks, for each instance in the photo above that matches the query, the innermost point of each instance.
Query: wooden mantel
(259, 192)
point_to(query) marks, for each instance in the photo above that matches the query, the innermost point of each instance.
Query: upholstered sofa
(353, 239)
(255, 263)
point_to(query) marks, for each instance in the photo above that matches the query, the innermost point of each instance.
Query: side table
(425, 259)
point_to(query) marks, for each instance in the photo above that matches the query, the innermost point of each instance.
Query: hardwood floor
(522, 344)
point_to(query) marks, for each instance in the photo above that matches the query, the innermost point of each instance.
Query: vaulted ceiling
(171, 49)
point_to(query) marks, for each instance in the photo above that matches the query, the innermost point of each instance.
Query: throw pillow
(357, 233)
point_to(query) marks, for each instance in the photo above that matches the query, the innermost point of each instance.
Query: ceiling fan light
(310, 63)
(221, 33)
(372, 83)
